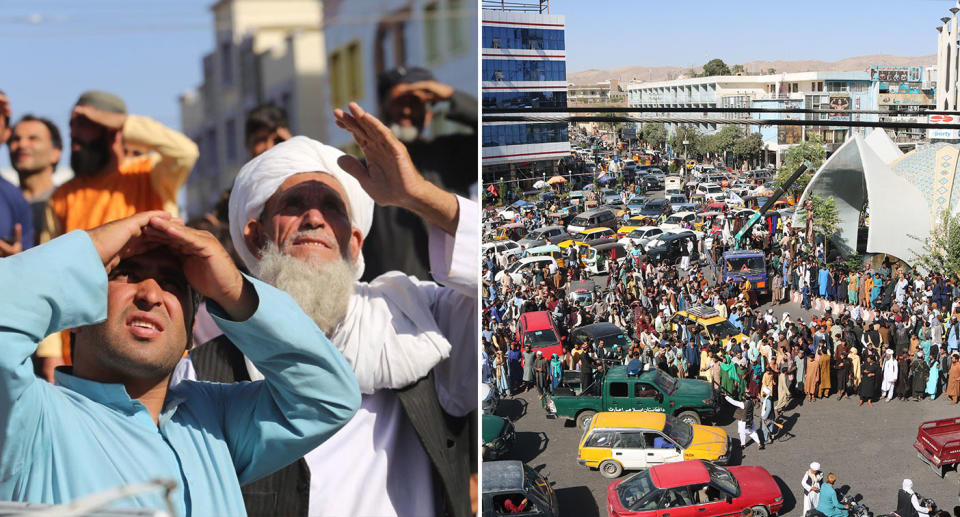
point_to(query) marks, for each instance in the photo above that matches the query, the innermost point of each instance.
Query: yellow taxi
(630, 440)
(592, 235)
(709, 323)
(691, 164)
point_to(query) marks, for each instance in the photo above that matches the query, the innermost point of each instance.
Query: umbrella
(556, 179)
(605, 179)
(539, 184)
(493, 190)
(521, 203)
(588, 187)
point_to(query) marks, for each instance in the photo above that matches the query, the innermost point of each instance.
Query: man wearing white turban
(298, 216)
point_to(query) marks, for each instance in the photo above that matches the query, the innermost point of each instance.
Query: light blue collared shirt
(78, 437)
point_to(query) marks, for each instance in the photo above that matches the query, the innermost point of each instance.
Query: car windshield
(633, 491)
(674, 219)
(665, 382)
(637, 234)
(723, 329)
(533, 482)
(723, 478)
(514, 268)
(635, 201)
(680, 431)
(540, 338)
(752, 264)
(713, 190)
(580, 221)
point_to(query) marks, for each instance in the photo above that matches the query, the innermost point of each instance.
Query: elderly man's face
(149, 312)
(307, 218)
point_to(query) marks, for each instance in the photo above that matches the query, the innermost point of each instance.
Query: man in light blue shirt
(127, 288)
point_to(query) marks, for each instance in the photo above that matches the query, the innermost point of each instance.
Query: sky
(147, 52)
(691, 32)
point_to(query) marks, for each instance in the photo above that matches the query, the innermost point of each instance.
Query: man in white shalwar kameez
(298, 216)
(890, 372)
(811, 481)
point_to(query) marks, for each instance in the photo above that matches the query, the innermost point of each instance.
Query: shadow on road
(789, 501)
(512, 409)
(528, 446)
(577, 501)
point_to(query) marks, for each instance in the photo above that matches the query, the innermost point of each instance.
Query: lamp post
(685, 143)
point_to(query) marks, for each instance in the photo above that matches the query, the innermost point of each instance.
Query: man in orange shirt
(107, 186)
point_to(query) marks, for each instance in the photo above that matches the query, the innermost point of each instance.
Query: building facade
(523, 65)
(813, 90)
(308, 57)
(605, 93)
(902, 91)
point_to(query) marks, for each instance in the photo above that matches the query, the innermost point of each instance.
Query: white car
(524, 266)
(675, 221)
(711, 191)
(507, 247)
(640, 236)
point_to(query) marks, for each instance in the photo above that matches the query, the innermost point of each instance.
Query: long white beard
(406, 134)
(322, 289)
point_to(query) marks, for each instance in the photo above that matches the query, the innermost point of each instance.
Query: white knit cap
(815, 466)
(262, 176)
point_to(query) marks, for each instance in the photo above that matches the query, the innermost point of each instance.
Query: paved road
(870, 450)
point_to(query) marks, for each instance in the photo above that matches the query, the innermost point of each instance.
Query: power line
(706, 120)
(620, 109)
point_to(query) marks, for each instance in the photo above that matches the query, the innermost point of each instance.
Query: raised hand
(109, 120)
(12, 248)
(206, 265)
(390, 177)
(123, 238)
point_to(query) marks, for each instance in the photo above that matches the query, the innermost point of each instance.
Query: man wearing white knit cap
(298, 216)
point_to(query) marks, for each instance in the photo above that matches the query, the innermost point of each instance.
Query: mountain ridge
(626, 74)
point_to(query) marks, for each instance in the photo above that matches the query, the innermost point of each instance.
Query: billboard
(789, 135)
(943, 134)
(896, 74)
(839, 102)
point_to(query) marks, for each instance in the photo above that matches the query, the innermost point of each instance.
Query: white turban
(262, 176)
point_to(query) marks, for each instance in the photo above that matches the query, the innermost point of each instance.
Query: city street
(870, 449)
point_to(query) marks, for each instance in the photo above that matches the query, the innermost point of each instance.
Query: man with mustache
(107, 186)
(408, 96)
(129, 290)
(298, 217)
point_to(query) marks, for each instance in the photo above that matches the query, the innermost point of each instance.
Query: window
(457, 15)
(518, 134)
(431, 32)
(618, 389)
(643, 389)
(226, 63)
(600, 439)
(631, 440)
(676, 498)
(523, 70)
(346, 74)
(355, 67)
(337, 93)
(231, 140)
(522, 38)
(212, 157)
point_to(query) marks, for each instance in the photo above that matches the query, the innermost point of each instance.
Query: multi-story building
(309, 56)
(523, 65)
(817, 90)
(902, 91)
(604, 93)
(264, 51)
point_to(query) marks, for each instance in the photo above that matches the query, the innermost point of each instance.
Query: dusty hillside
(663, 73)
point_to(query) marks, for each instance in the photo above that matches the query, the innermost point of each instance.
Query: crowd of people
(116, 312)
(907, 350)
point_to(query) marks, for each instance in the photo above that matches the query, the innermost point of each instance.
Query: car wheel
(760, 511)
(690, 417)
(583, 419)
(611, 469)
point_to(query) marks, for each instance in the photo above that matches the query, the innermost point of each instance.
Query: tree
(811, 153)
(715, 67)
(688, 133)
(771, 71)
(748, 147)
(826, 218)
(727, 137)
(736, 69)
(654, 134)
(941, 250)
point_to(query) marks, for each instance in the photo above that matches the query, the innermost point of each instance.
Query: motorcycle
(855, 509)
(927, 502)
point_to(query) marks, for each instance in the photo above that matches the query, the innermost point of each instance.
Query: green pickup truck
(654, 390)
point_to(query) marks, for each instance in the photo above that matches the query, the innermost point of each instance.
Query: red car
(537, 330)
(694, 488)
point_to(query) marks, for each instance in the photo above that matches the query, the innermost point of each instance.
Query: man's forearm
(435, 206)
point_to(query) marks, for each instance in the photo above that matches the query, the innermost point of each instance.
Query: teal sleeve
(308, 393)
(58, 285)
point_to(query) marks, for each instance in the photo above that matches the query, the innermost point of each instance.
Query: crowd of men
(333, 392)
(908, 351)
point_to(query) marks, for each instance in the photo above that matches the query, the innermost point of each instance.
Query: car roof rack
(702, 311)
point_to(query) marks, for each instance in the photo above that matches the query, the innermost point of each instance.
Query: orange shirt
(87, 202)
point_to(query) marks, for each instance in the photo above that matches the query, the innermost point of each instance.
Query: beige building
(264, 51)
(604, 93)
(309, 56)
